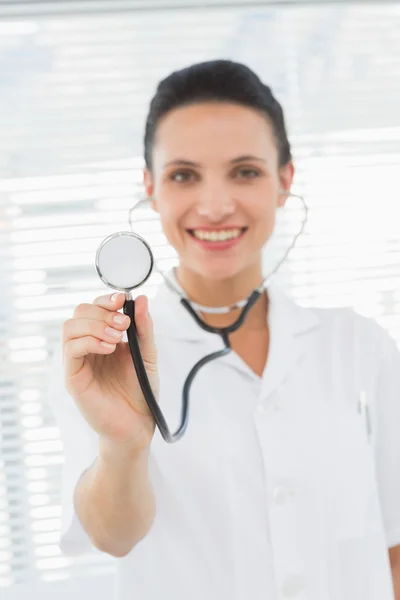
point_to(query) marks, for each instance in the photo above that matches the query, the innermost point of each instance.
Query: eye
(247, 173)
(182, 176)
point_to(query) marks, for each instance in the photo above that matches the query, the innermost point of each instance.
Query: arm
(114, 499)
(394, 555)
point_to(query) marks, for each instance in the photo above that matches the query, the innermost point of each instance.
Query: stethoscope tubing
(154, 407)
(193, 309)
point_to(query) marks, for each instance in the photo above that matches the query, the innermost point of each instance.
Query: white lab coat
(278, 489)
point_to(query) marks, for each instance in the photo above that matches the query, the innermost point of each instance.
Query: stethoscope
(117, 269)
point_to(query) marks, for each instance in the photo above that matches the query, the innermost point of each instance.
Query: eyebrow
(188, 163)
(247, 157)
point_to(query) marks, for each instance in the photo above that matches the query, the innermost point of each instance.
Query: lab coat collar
(289, 327)
(288, 323)
(286, 319)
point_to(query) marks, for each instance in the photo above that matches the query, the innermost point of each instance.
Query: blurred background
(76, 78)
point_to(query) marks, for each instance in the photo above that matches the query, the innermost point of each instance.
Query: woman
(286, 483)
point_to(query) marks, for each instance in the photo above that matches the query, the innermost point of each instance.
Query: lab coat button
(293, 586)
(281, 495)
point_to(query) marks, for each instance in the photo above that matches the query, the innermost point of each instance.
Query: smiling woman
(217, 156)
(282, 486)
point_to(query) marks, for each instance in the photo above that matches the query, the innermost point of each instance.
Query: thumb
(144, 328)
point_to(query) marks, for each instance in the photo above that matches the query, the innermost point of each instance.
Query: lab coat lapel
(289, 328)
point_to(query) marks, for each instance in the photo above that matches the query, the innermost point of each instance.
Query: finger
(78, 328)
(76, 349)
(144, 327)
(113, 301)
(96, 313)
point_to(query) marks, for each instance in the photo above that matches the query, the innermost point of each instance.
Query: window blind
(17, 8)
(74, 91)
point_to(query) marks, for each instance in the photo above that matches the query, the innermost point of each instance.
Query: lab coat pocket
(355, 492)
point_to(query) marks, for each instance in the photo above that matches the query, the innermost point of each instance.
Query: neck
(225, 292)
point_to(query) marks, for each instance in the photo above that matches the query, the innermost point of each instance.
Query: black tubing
(129, 309)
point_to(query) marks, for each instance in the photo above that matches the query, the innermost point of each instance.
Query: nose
(215, 203)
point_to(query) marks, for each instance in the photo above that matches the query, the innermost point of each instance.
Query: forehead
(213, 131)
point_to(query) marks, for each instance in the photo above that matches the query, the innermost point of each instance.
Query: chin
(218, 272)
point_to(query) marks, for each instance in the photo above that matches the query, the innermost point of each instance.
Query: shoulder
(348, 325)
(341, 323)
(355, 343)
(337, 332)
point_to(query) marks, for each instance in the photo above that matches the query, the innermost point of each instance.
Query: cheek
(260, 200)
(262, 212)
(173, 205)
(263, 218)
(267, 225)
(170, 217)
(167, 209)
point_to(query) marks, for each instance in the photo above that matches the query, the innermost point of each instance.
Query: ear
(286, 177)
(149, 188)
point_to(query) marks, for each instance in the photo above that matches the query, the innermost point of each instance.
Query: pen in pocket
(364, 411)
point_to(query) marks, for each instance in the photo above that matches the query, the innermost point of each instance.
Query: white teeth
(217, 236)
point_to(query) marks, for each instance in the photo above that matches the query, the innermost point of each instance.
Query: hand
(99, 372)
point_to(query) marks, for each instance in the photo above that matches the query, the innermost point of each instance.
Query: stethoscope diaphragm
(124, 261)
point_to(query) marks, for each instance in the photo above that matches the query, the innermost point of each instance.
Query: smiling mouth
(217, 236)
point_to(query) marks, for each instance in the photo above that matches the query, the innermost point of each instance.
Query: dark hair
(215, 81)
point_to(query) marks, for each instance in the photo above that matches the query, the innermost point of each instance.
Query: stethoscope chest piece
(124, 261)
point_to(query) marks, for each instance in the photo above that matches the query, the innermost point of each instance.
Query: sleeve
(80, 446)
(387, 442)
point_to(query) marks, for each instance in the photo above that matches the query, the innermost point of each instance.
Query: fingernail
(120, 319)
(114, 297)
